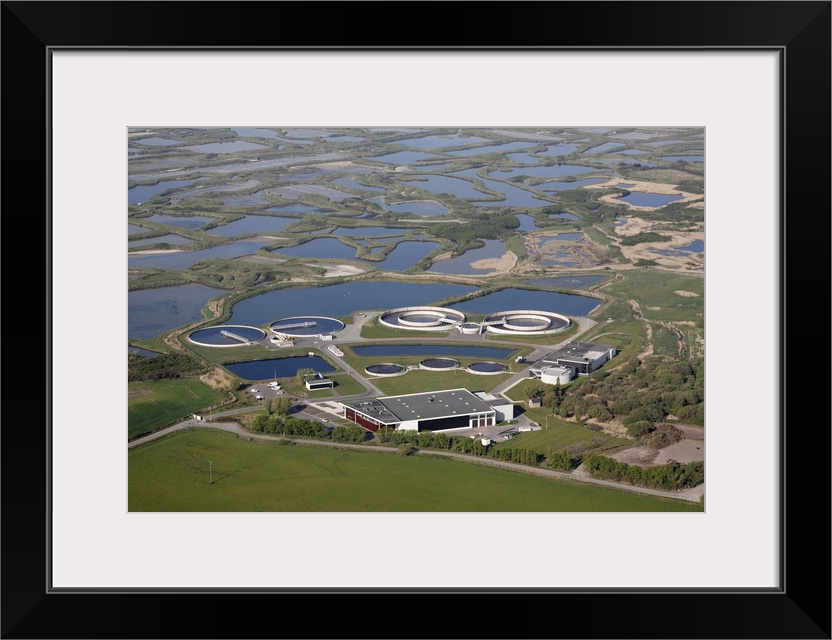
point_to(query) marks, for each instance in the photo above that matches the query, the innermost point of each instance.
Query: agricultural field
(173, 474)
(152, 405)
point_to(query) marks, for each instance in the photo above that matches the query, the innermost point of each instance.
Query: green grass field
(152, 405)
(518, 391)
(172, 474)
(665, 342)
(420, 380)
(656, 294)
(559, 435)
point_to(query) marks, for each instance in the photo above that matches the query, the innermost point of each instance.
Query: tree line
(672, 476)
(274, 424)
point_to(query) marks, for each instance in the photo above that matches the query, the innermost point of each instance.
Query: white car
(254, 390)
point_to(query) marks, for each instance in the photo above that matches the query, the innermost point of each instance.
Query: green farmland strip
(173, 474)
(152, 405)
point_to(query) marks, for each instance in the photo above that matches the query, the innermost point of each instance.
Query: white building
(574, 359)
(318, 382)
(555, 375)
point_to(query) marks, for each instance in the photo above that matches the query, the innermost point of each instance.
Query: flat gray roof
(421, 406)
(578, 351)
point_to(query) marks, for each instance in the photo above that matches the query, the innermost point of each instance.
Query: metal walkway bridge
(234, 336)
(294, 325)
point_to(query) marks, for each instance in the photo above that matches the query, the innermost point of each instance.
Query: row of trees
(288, 426)
(672, 476)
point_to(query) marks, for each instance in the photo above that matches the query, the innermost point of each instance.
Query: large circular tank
(227, 335)
(526, 322)
(439, 364)
(300, 326)
(386, 369)
(488, 368)
(421, 318)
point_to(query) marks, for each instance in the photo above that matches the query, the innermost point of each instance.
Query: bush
(640, 428)
(662, 436)
(645, 236)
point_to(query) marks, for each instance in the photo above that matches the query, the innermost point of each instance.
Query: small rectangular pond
(252, 224)
(653, 200)
(258, 370)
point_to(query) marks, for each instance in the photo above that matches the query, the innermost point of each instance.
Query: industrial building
(317, 381)
(429, 411)
(574, 359)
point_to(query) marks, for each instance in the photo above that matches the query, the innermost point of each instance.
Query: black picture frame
(800, 608)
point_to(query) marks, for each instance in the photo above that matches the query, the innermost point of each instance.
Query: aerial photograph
(416, 319)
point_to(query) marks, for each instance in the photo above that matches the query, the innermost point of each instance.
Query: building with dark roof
(574, 359)
(429, 411)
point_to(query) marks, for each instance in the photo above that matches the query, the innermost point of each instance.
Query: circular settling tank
(487, 368)
(386, 369)
(229, 335)
(299, 326)
(526, 322)
(421, 318)
(439, 364)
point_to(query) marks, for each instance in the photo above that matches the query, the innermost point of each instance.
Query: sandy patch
(262, 259)
(132, 394)
(339, 270)
(154, 252)
(691, 449)
(687, 294)
(684, 451)
(503, 264)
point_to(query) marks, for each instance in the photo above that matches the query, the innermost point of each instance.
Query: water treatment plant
(518, 322)
(284, 278)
